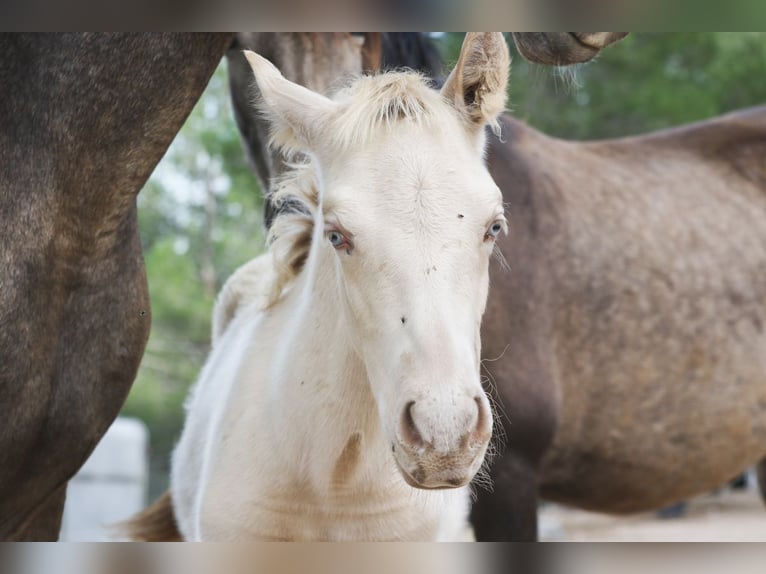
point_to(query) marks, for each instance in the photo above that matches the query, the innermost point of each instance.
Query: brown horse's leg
(509, 512)
(760, 471)
(45, 524)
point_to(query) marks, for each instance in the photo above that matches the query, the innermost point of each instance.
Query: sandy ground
(731, 515)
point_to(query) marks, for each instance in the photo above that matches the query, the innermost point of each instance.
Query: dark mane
(414, 50)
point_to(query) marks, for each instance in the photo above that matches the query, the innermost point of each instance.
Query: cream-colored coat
(342, 398)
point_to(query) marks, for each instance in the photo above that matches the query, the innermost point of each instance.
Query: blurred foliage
(201, 212)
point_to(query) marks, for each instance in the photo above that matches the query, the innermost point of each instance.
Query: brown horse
(85, 119)
(627, 341)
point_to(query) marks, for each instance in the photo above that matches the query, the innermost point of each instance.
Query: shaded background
(201, 212)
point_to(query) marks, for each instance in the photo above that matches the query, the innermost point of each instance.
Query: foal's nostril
(466, 425)
(410, 431)
(483, 420)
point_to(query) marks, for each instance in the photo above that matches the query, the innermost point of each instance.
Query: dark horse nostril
(410, 431)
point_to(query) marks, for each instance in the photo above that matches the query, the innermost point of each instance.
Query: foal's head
(404, 226)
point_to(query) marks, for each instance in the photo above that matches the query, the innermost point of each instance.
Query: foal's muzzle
(442, 445)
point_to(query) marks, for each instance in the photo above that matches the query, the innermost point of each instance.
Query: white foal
(342, 398)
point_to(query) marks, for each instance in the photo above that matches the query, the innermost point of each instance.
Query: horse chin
(554, 49)
(444, 480)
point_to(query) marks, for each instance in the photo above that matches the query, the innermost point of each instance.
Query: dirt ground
(730, 515)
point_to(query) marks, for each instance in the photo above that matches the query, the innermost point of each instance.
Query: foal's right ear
(297, 115)
(477, 85)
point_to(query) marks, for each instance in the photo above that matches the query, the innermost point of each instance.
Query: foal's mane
(369, 104)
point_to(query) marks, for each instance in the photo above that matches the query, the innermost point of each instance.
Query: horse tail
(157, 523)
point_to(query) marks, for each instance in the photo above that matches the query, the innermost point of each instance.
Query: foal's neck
(321, 390)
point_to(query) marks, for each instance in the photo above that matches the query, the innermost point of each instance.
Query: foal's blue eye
(335, 238)
(494, 230)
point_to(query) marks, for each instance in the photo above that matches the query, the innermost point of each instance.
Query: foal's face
(409, 215)
(411, 225)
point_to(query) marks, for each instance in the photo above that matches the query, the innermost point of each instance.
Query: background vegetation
(201, 213)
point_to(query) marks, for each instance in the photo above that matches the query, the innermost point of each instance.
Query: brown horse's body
(84, 119)
(630, 328)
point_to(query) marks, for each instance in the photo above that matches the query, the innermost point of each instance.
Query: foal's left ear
(477, 85)
(297, 115)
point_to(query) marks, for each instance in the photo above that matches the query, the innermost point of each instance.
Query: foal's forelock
(375, 103)
(371, 104)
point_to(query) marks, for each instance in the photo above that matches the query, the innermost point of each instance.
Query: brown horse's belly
(658, 425)
(659, 331)
(615, 483)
